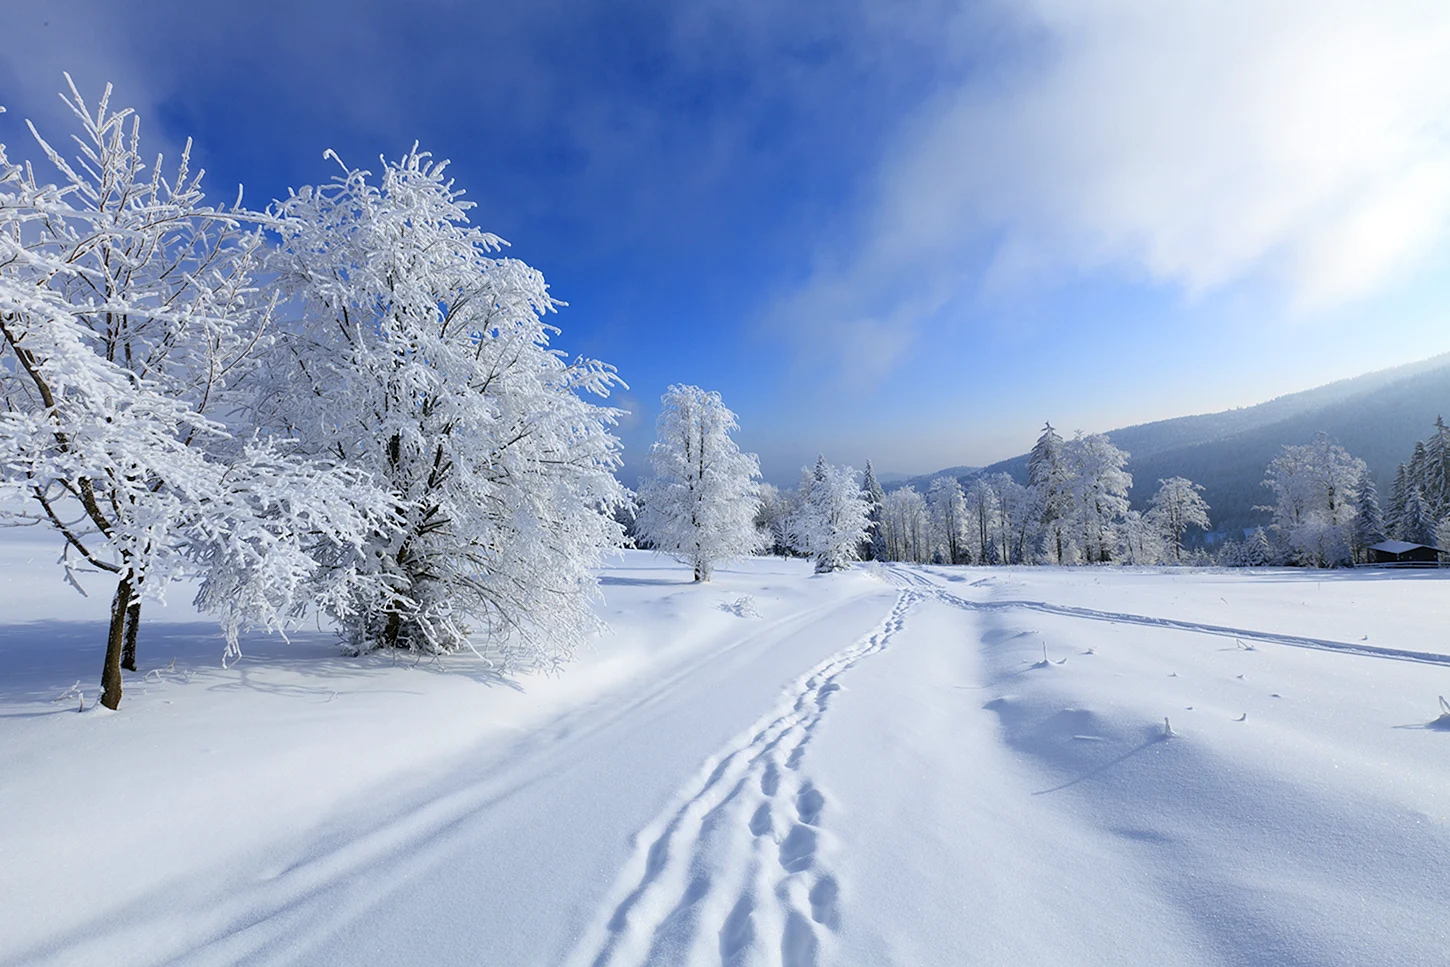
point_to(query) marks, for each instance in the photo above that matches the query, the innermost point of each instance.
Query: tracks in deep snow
(927, 587)
(732, 869)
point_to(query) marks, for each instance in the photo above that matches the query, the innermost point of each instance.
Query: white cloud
(1305, 144)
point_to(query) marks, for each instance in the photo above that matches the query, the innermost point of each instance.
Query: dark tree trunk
(133, 622)
(115, 642)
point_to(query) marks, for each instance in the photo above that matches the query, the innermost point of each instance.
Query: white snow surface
(870, 767)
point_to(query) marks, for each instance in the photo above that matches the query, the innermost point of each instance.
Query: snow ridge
(731, 870)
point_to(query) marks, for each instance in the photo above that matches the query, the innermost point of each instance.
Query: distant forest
(1378, 417)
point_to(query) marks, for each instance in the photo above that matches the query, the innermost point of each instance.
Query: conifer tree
(1434, 479)
(1369, 523)
(1417, 524)
(1258, 552)
(875, 545)
(1051, 485)
(1394, 522)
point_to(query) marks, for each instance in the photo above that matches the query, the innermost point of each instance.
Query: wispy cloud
(1302, 145)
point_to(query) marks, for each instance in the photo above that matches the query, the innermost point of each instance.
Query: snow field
(869, 767)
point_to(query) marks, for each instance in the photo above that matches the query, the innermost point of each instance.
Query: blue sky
(904, 231)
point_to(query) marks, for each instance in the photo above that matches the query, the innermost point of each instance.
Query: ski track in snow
(306, 900)
(730, 872)
(926, 585)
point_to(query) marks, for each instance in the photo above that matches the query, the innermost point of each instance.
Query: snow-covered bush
(423, 359)
(831, 523)
(701, 496)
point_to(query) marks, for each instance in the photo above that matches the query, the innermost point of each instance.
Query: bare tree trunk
(115, 642)
(133, 623)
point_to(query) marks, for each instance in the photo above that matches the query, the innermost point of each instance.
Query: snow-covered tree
(948, 510)
(832, 520)
(130, 328)
(1176, 507)
(1099, 488)
(423, 358)
(1230, 554)
(982, 514)
(1434, 472)
(1417, 523)
(701, 494)
(907, 526)
(1016, 519)
(1442, 535)
(1050, 480)
(1142, 539)
(1395, 510)
(1258, 549)
(773, 518)
(1316, 487)
(875, 545)
(1369, 524)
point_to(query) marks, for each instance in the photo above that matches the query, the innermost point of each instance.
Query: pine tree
(1435, 471)
(1258, 552)
(1369, 523)
(700, 499)
(1417, 524)
(1394, 523)
(1051, 485)
(875, 545)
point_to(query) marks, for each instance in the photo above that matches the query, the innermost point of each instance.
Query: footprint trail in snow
(732, 872)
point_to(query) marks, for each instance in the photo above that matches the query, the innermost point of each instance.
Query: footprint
(823, 902)
(798, 849)
(770, 779)
(798, 946)
(760, 823)
(809, 803)
(738, 933)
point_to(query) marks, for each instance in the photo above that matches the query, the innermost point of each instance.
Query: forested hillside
(1377, 417)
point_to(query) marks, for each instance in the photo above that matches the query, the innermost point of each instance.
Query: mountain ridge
(1377, 416)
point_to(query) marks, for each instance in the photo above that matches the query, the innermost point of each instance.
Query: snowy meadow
(894, 764)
